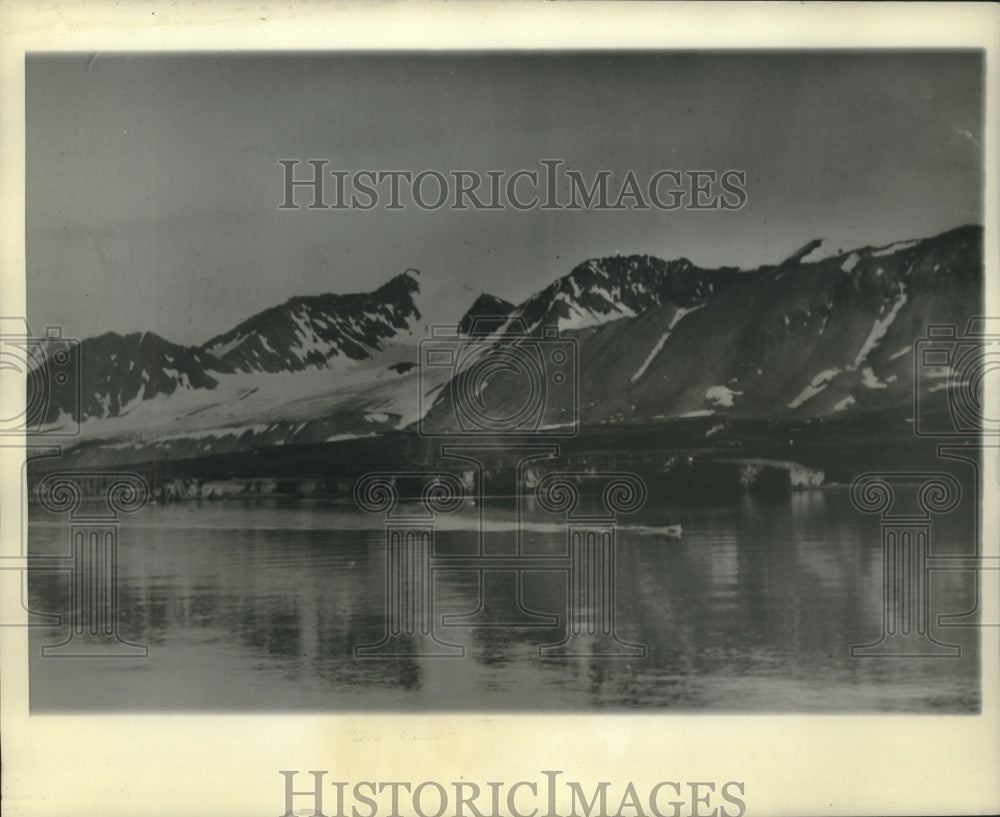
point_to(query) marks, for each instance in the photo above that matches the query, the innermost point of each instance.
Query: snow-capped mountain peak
(322, 331)
(608, 289)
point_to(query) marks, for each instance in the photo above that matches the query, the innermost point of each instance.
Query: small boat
(671, 531)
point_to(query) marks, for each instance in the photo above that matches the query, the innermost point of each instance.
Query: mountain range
(649, 341)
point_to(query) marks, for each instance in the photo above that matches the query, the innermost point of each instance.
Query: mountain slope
(120, 371)
(321, 331)
(486, 315)
(651, 340)
(608, 289)
(796, 340)
(323, 334)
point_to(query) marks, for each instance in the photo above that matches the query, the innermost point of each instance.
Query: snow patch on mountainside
(244, 402)
(580, 318)
(899, 246)
(309, 341)
(180, 377)
(649, 358)
(842, 405)
(222, 349)
(880, 327)
(658, 346)
(722, 395)
(218, 433)
(683, 312)
(850, 262)
(817, 250)
(818, 383)
(948, 384)
(870, 381)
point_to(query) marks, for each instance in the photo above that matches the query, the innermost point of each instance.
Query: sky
(153, 183)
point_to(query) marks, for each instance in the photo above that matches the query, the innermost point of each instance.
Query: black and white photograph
(560, 366)
(519, 382)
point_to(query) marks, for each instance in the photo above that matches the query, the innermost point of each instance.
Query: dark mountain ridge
(313, 330)
(119, 370)
(610, 288)
(654, 340)
(486, 315)
(802, 339)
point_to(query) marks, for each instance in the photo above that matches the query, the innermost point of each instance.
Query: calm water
(258, 605)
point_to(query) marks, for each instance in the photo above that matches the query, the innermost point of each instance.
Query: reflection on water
(259, 605)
